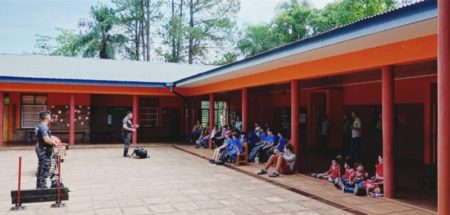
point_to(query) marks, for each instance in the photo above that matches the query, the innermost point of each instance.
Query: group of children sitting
(263, 146)
(355, 180)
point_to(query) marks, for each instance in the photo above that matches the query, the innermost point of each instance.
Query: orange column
(135, 116)
(72, 120)
(1, 118)
(387, 91)
(244, 109)
(294, 115)
(211, 115)
(443, 87)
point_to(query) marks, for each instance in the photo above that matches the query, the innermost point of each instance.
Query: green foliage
(257, 39)
(298, 20)
(66, 44)
(97, 39)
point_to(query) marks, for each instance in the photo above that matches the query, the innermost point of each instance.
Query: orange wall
(409, 51)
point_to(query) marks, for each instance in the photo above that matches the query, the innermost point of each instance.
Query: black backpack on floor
(140, 152)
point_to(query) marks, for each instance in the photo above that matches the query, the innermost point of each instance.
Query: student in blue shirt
(220, 151)
(235, 148)
(281, 143)
(264, 141)
(271, 141)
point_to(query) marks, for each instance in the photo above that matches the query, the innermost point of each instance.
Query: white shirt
(356, 128)
(325, 127)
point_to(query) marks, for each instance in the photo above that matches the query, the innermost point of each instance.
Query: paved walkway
(170, 182)
(324, 191)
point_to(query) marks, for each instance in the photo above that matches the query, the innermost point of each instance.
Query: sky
(22, 20)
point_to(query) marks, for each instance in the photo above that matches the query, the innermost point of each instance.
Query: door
(172, 122)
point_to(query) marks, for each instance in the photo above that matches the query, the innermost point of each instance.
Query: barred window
(31, 106)
(220, 107)
(149, 112)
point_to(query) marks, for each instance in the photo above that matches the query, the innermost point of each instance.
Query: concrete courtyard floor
(170, 182)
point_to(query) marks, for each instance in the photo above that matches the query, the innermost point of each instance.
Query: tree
(66, 44)
(257, 39)
(294, 23)
(174, 32)
(137, 18)
(297, 20)
(210, 24)
(97, 37)
(344, 12)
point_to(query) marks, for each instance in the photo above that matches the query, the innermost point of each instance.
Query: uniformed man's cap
(44, 113)
(129, 112)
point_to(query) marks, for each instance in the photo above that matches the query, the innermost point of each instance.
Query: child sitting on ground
(359, 176)
(332, 174)
(374, 183)
(284, 162)
(218, 152)
(349, 173)
(203, 140)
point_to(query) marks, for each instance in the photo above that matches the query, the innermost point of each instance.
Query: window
(149, 112)
(220, 108)
(31, 106)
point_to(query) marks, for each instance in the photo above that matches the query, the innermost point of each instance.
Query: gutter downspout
(187, 106)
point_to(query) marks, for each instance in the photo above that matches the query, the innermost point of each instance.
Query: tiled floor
(324, 191)
(170, 182)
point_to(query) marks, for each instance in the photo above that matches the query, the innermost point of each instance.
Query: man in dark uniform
(44, 149)
(127, 129)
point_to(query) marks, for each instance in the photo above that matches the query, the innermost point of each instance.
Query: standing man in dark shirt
(44, 149)
(127, 129)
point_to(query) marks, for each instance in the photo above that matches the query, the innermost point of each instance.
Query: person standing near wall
(127, 129)
(346, 134)
(44, 149)
(324, 134)
(355, 147)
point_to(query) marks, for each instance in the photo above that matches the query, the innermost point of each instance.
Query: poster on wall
(61, 114)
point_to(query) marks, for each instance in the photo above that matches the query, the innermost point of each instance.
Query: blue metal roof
(409, 14)
(9, 79)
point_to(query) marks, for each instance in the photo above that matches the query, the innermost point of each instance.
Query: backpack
(140, 152)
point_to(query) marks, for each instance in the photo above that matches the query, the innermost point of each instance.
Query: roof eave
(10, 79)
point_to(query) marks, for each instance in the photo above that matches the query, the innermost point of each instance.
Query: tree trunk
(136, 38)
(148, 29)
(173, 36)
(179, 33)
(142, 30)
(191, 27)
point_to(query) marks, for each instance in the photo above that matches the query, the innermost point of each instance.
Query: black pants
(126, 137)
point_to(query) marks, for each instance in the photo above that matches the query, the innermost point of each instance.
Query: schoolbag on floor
(140, 152)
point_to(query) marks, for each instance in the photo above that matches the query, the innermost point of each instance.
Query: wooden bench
(43, 195)
(242, 158)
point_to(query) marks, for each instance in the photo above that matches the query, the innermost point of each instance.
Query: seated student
(379, 170)
(284, 162)
(359, 176)
(370, 185)
(344, 179)
(259, 145)
(243, 137)
(203, 140)
(220, 151)
(195, 133)
(271, 141)
(279, 146)
(252, 138)
(332, 174)
(234, 148)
